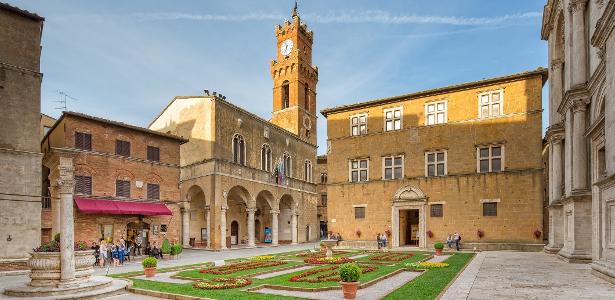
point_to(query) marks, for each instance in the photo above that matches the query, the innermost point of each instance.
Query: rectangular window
(122, 188)
(435, 113)
(392, 119)
(153, 191)
(490, 209)
(359, 170)
(393, 167)
(491, 104)
(323, 200)
(122, 148)
(83, 141)
(437, 210)
(105, 231)
(153, 153)
(359, 212)
(358, 124)
(83, 185)
(490, 158)
(435, 163)
(46, 202)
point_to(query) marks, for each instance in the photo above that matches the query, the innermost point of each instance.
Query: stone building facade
(581, 133)
(46, 123)
(321, 189)
(246, 180)
(126, 179)
(464, 158)
(20, 155)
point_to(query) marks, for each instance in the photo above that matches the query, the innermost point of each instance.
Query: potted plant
(439, 247)
(149, 266)
(176, 250)
(350, 273)
(165, 248)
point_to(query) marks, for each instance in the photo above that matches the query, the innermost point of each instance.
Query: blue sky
(125, 60)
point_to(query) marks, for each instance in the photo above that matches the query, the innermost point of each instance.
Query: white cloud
(369, 16)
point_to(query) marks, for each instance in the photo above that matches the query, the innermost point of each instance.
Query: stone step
(97, 287)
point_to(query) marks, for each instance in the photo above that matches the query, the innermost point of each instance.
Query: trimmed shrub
(438, 246)
(350, 272)
(149, 262)
(176, 249)
(56, 237)
(166, 247)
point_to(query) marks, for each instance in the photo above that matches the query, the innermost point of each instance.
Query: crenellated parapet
(289, 28)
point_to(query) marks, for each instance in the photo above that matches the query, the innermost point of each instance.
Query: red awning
(113, 207)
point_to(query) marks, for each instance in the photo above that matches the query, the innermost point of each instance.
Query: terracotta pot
(438, 252)
(349, 289)
(149, 272)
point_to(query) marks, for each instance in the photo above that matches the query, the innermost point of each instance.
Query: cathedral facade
(246, 180)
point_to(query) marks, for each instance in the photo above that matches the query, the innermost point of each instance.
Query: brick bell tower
(294, 79)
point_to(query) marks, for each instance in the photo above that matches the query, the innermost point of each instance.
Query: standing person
(379, 240)
(103, 253)
(138, 242)
(449, 241)
(457, 240)
(115, 254)
(384, 240)
(121, 252)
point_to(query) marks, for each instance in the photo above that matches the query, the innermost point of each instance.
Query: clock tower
(294, 79)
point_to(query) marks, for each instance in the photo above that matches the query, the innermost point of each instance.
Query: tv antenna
(63, 99)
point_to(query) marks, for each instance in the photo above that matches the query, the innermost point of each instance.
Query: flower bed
(392, 256)
(262, 257)
(427, 265)
(222, 283)
(241, 266)
(328, 260)
(328, 274)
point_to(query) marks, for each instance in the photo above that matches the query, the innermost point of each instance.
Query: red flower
(537, 233)
(429, 233)
(480, 233)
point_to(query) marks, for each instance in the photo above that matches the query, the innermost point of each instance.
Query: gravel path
(376, 291)
(440, 258)
(359, 256)
(278, 273)
(165, 277)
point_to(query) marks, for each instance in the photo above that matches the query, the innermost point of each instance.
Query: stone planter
(349, 289)
(45, 267)
(149, 272)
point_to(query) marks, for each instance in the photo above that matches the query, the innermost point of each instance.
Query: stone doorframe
(409, 197)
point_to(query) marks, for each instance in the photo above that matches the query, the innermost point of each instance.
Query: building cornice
(74, 151)
(542, 72)
(548, 18)
(596, 128)
(20, 69)
(555, 132)
(604, 27)
(598, 78)
(576, 94)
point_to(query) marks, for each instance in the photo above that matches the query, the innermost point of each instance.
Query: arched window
(287, 163)
(266, 158)
(307, 168)
(323, 177)
(306, 92)
(285, 94)
(239, 150)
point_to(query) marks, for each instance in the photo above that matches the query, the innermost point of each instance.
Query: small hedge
(166, 247)
(176, 249)
(350, 272)
(149, 262)
(438, 246)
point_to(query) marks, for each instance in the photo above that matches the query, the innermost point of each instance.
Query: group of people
(382, 240)
(453, 240)
(111, 253)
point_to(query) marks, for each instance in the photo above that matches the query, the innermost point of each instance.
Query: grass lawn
(432, 282)
(427, 286)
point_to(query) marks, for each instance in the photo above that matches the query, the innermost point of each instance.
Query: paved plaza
(527, 275)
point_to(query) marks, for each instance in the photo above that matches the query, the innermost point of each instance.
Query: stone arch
(287, 207)
(409, 193)
(123, 174)
(197, 216)
(263, 217)
(238, 199)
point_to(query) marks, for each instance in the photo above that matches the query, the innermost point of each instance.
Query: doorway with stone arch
(234, 232)
(408, 218)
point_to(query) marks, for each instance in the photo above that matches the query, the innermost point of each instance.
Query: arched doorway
(287, 208)
(263, 213)
(199, 223)
(408, 217)
(137, 233)
(234, 233)
(257, 231)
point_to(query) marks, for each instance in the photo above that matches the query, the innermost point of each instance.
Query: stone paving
(439, 258)
(527, 275)
(283, 272)
(165, 277)
(375, 291)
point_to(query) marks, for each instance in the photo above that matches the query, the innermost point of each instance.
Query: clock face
(286, 47)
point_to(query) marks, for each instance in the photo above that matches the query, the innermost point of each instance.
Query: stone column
(66, 185)
(55, 211)
(293, 229)
(208, 216)
(223, 227)
(579, 148)
(555, 98)
(556, 164)
(274, 227)
(251, 211)
(579, 45)
(568, 153)
(185, 211)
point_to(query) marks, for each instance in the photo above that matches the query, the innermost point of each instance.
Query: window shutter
(153, 191)
(78, 140)
(122, 188)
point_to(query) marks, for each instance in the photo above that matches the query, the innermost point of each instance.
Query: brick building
(244, 179)
(126, 178)
(20, 157)
(464, 158)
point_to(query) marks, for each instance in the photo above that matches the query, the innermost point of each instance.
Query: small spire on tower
(295, 12)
